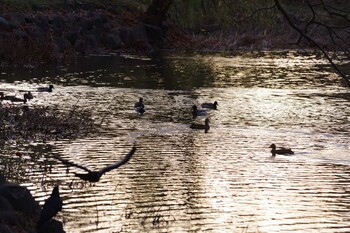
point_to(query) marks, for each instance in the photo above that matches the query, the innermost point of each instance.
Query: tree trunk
(157, 12)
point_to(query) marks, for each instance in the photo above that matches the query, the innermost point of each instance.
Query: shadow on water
(127, 71)
(184, 180)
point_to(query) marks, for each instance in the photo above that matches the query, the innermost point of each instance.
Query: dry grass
(23, 124)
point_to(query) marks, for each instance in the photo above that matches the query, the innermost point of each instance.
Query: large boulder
(5, 205)
(20, 198)
(4, 228)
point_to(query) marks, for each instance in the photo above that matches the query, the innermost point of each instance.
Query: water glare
(184, 180)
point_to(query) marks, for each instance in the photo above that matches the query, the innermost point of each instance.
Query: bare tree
(326, 26)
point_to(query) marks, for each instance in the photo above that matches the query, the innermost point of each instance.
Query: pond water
(185, 180)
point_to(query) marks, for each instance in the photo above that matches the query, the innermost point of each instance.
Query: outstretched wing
(119, 163)
(66, 162)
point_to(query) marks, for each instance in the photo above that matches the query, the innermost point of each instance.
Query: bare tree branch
(335, 38)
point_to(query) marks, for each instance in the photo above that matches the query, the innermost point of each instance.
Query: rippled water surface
(185, 180)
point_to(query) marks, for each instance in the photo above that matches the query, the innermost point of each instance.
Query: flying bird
(50, 208)
(94, 176)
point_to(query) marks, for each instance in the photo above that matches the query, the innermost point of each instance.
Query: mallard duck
(94, 176)
(139, 106)
(6, 97)
(196, 112)
(206, 126)
(45, 89)
(280, 150)
(13, 99)
(29, 95)
(210, 105)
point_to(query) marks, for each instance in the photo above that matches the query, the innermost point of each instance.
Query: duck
(5, 97)
(50, 208)
(45, 89)
(196, 112)
(95, 176)
(139, 106)
(210, 105)
(206, 126)
(14, 99)
(29, 95)
(280, 150)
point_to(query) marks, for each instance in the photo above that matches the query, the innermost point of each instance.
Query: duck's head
(50, 86)
(273, 146)
(25, 98)
(207, 121)
(141, 100)
(216, 103)
(194, 107)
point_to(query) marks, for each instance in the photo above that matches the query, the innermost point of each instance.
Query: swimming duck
(280, 151)
(139, 106)
(94, 176)
(196, 112)
(29, 95)
(45, 89)
(210, 105)
(6, 97)
(206, 126)
(14, 99)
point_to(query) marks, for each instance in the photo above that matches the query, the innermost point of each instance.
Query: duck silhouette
(139, 106)
(210, 105)
(206, 126)
(14, 99)
(198, 112)
(280, 150)
(29, 95)
(50, 208)
(94, 176)
(45, 89)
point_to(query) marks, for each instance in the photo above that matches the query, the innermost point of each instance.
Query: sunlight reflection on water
(183, 180)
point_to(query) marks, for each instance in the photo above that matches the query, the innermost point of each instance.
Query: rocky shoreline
(19, 212)
(49, 36)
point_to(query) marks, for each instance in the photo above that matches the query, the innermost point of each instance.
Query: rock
(20, 34)
(58, 24)
(6, 25)
(10, 218)
(5, 229)
(135, 36)
(17, 18)
(52, 226)
(80, 46)
(36, 32)
(112, 41)
(42, 21)
(20, 198)
(5, 205)
(71, 37)
(62, 44)
(92, 42)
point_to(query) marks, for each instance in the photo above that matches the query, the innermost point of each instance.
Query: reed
(22, 125)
